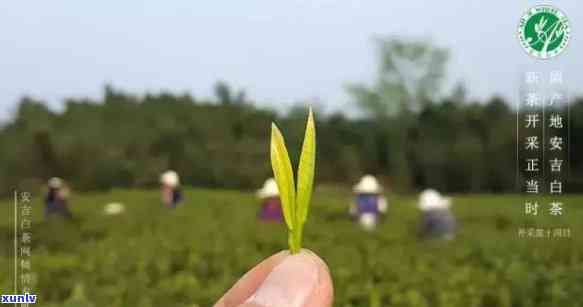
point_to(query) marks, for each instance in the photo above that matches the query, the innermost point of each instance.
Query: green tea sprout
(295, 202)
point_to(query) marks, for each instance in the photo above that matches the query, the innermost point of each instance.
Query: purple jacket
(271, 210)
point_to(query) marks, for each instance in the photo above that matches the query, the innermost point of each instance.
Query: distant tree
(459, 93)
(410, 76)
(226, 95)
(223, 93)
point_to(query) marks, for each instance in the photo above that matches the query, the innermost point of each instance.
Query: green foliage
(295, 203)
(190, 256)
(126, 141)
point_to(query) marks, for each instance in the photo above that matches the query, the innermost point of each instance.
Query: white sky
(278, 51)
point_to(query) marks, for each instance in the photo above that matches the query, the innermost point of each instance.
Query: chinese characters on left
(541, 133)
(23, 242)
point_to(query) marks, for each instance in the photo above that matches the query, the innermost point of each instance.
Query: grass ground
(150, 256)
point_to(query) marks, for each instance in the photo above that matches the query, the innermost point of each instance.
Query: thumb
(300, 280)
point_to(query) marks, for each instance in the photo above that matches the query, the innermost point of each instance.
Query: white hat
(431, 199)
(170, 178)
(368, 184)
(55, 183)
(114, 208)
(269, 189)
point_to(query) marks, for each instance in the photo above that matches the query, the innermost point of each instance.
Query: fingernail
(289, 284)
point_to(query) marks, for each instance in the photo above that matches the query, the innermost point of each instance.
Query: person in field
(56, 199)
(437, 221)
(270, 203)
(171, 193)
(369, 204)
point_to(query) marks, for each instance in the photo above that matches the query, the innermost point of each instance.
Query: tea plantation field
(151, 256)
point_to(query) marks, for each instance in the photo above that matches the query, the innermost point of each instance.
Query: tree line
(126, 141)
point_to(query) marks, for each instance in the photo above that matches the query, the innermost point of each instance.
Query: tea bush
(151, 256)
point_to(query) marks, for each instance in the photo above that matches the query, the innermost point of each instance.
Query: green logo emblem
(543, 31)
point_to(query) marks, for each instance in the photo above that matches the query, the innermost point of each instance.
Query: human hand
(283, 280)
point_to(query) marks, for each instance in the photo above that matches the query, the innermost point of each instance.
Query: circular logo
(544, 31)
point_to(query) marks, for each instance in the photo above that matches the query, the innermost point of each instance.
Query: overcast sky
(278, 51)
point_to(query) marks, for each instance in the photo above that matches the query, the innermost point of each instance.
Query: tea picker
(170, 189)
(437, 221)
(270, 202)
(369, 204)
(56, 199)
